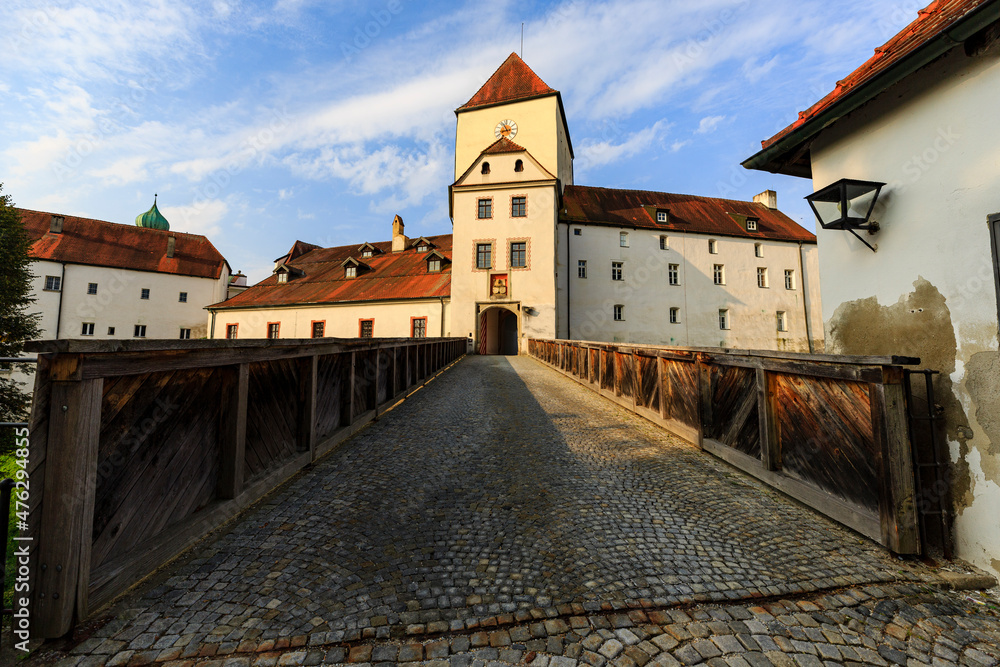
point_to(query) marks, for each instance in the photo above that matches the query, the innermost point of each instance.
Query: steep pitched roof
(513, 80)
(99, 243)
(502, 145)
(389, 276)
(938, 28)
(687, 213)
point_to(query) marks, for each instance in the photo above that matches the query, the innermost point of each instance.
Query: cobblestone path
(503, 514)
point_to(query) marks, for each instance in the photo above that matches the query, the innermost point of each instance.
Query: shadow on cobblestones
(499, 489)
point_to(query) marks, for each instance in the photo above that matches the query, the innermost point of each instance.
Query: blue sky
(259, 123)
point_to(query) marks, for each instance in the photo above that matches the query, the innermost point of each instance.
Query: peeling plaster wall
(929, 290)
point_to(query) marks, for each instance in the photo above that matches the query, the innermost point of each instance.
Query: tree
(17, 325)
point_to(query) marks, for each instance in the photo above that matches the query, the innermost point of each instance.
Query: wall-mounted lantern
(847, 204)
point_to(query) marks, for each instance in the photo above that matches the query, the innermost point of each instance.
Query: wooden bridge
(138, 449)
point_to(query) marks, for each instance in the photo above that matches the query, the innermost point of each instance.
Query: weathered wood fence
(830, 431)
(140, 448)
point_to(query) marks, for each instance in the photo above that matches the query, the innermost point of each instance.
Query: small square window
(623, 239)
(91, 288)
(675, 315)
(723, 319)
(367, 329)
(674, 274)
(183, 297)
(616, 271)
(577, 232)
(713, 246)
(789, 279)
(581, 268)
(231, 331)
(272, 329)
(144, 293)
(350, 272)
(751, 224)
(418, 327)
(661, 216)
(485, 208)
(366, 253)
(518, 207)
(619, 312)
(282, 277)
(434, 265)
(761, 276)
(318, 329)
(111, 331)
(185, 334)
(484, 255)
(782, 326)
(421, 248)
(88, 329)
(518, 255)
(139, 331)
(53, 283)
(719, 274)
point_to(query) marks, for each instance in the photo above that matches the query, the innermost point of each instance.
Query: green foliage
(8, 468)
(17, 325)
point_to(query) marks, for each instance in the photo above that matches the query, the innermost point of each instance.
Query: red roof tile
(687, 213)
(502, 145)
(390, 276)
(99, 243)
(513, 80)
(931, 22)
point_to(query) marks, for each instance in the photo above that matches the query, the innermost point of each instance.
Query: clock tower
(513, 157)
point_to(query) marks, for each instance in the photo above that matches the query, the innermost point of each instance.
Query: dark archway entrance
(498, 331)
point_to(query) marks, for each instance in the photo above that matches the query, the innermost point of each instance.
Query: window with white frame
(283, 277)
(675, 315)
(231, 331)
(751, 224)
(434, 265)
(623, 239)
(719, 274)
(53, 283)
(789, 279)
(713, 246)
(758, 249)
(366, 252)
(661, 216)
(139, 331)
(518, 255)
(418, 327)
(664, 242)
(723, 318)
(619, 312)
(761, 276)
(616, 271)
(350, 272)
(581, 268)
(674, 274)
(272, 329)
(87, 329)
(518, 207)
(91, 288)
(782, 322)
(485, 209)
(185, 334)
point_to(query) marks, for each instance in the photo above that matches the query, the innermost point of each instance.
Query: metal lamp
(847, 204)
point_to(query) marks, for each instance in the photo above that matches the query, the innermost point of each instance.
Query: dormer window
(282, 277)
(519, 165)
(366, 253)
(369, 250)
(661, 216)
(350, 272)
(421, 248)
(433, 265)
(486, 168)
(751, 224)
(422, 244)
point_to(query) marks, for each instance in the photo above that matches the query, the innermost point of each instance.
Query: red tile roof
(686, 213)
(502, 145)
(512, 81)
(931, 23)
(390, 276)
(99, 243)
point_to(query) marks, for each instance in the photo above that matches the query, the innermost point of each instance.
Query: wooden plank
(233, 431)
(705, 402)
(306, 427)
(347, 389)
(897, 467)
(770, 454)
(68, 514)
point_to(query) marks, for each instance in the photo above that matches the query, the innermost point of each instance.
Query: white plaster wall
(392, 319)
(647, 295)
(935, 140)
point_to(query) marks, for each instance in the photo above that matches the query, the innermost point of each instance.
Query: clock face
(506, 128)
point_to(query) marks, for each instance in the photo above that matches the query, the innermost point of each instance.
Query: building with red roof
(532, 254)
(920, 118)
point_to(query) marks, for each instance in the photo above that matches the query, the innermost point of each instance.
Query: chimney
(56, 225)
(768, 198)
(171, 241)
(398, 238)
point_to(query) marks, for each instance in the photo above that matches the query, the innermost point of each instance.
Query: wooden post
(372, 359)
(636, 379)
(64, 541)
(897, 502)
(770, 443)
(306, 430)
(663, 377)
(347, 373)
(233, 430)
(705, 402)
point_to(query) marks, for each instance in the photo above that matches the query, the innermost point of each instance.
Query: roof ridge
(664, 192)
(145, 230)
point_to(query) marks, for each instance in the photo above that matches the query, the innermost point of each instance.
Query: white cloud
(708, 124)
(591, 154)
(677, 145)
(201, 217)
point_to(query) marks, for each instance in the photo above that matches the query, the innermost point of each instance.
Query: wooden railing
(140, 448)
(830, 431)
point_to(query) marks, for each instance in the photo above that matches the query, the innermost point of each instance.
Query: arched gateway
(499, 330)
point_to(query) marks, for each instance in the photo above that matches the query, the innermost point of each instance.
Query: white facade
(654, 280)
(929, 291)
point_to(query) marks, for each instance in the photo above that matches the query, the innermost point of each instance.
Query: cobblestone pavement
(505, 515)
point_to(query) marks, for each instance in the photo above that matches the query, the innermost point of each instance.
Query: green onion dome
(152, 219)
